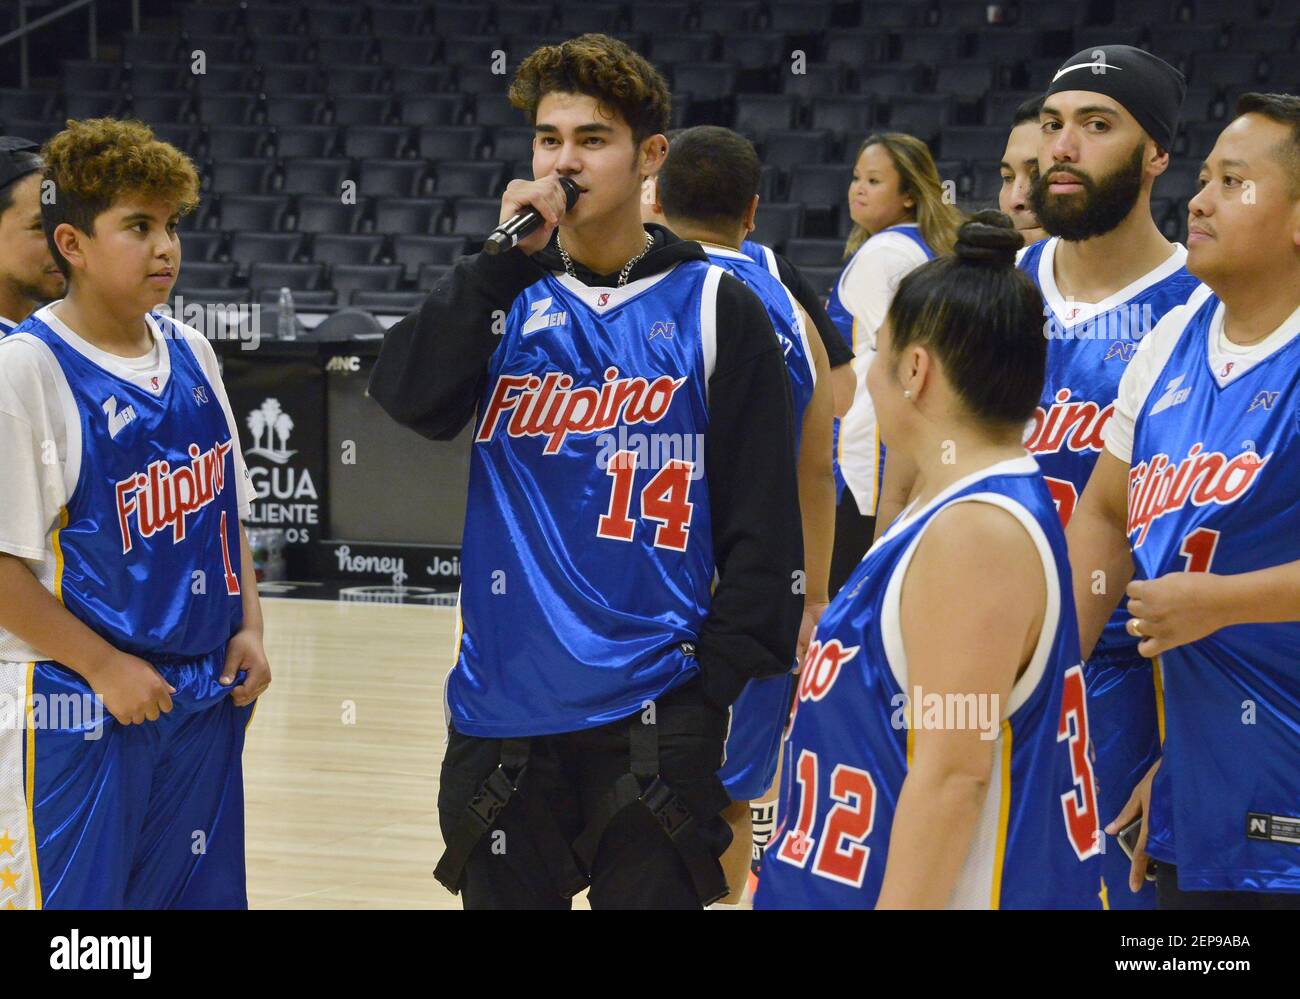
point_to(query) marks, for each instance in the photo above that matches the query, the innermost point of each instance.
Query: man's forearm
(30, 611)
(1265, 596)
(1101, 564)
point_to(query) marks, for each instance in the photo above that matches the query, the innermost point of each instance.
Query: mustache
(1041, 181)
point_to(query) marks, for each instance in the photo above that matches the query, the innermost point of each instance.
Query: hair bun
(989, 237)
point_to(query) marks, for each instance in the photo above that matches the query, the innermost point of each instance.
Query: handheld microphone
(508, 234)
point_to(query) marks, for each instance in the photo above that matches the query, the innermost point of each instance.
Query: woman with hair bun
(938, 753)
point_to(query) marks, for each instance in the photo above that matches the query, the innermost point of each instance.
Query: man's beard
(1102, 206)
(31, 292)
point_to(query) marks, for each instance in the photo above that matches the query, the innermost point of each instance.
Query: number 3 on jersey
(1079, 804)
(664, 500)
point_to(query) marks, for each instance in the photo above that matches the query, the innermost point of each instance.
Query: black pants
(853, 534)
(637, 865)
(1170, 896)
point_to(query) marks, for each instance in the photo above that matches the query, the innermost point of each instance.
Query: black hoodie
(432, 372)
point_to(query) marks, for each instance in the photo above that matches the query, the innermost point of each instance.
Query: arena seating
(353, 150)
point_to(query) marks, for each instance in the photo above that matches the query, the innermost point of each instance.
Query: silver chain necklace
(622, 275)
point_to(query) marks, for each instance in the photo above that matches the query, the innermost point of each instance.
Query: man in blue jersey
(126, 582)
(1196, 501)
(708, 192)
(28, 276)
(1107, 276)
(629, 560)
(839, 353)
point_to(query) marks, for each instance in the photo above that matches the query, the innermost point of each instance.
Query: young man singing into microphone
(631, 557)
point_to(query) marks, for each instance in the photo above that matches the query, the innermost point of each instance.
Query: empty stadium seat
(392, 302)
(787, 148)
(296, 277)
(397, 19)
(468, 179)
(361, 109)
(815, 252)
(227, 109)
(205, 274)
(346, 248)
(251, 176)
(83, 75)
(431, 109)
(776, 224)
(309, 141)
(475, 217)
(248, 248)
(264, 212)
(413, 251)
(316, 176)
(30, 104)
(327, 214)
(200, 246)
(292, 78)
(375, 141)
(756, 114)
(392, 178)
(347, 278)
(236, 141)
(410, 215)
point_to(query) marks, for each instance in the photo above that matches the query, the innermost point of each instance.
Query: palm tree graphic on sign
(272, 421)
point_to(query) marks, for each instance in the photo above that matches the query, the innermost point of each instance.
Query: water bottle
(287, 324)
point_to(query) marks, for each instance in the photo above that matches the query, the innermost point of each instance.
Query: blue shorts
(754, 743)
(1126, 741)
(137, 816)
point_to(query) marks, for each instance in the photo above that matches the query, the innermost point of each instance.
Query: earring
(907, 393)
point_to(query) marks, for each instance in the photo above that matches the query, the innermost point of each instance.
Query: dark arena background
(350, 152)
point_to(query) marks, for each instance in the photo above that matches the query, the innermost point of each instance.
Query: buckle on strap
(667, 808)
(493, 795)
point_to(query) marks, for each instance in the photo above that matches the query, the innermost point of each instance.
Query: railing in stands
(25, 28)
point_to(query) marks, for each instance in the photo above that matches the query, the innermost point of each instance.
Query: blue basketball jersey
(783, 310)
(148, 552)
(587, 529)
(6, 327)
(754, 740)
(1088, 349)
(846, 324)
(1213, 488)
(1037, 840)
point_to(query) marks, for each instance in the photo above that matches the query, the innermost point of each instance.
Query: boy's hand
(132, 690)
(547, 196)
(244, 651)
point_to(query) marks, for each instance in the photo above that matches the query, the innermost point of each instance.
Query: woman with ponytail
(937, 754)
(901, 218)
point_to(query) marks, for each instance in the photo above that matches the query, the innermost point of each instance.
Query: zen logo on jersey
(162, 496)
(1075, 425)
(1262, 400)
(1122, 349)
(541, 319)
(662, 329)
(821, 667)
(551, 407)
(1174, 396)
(116, 420)
(1159, 487)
